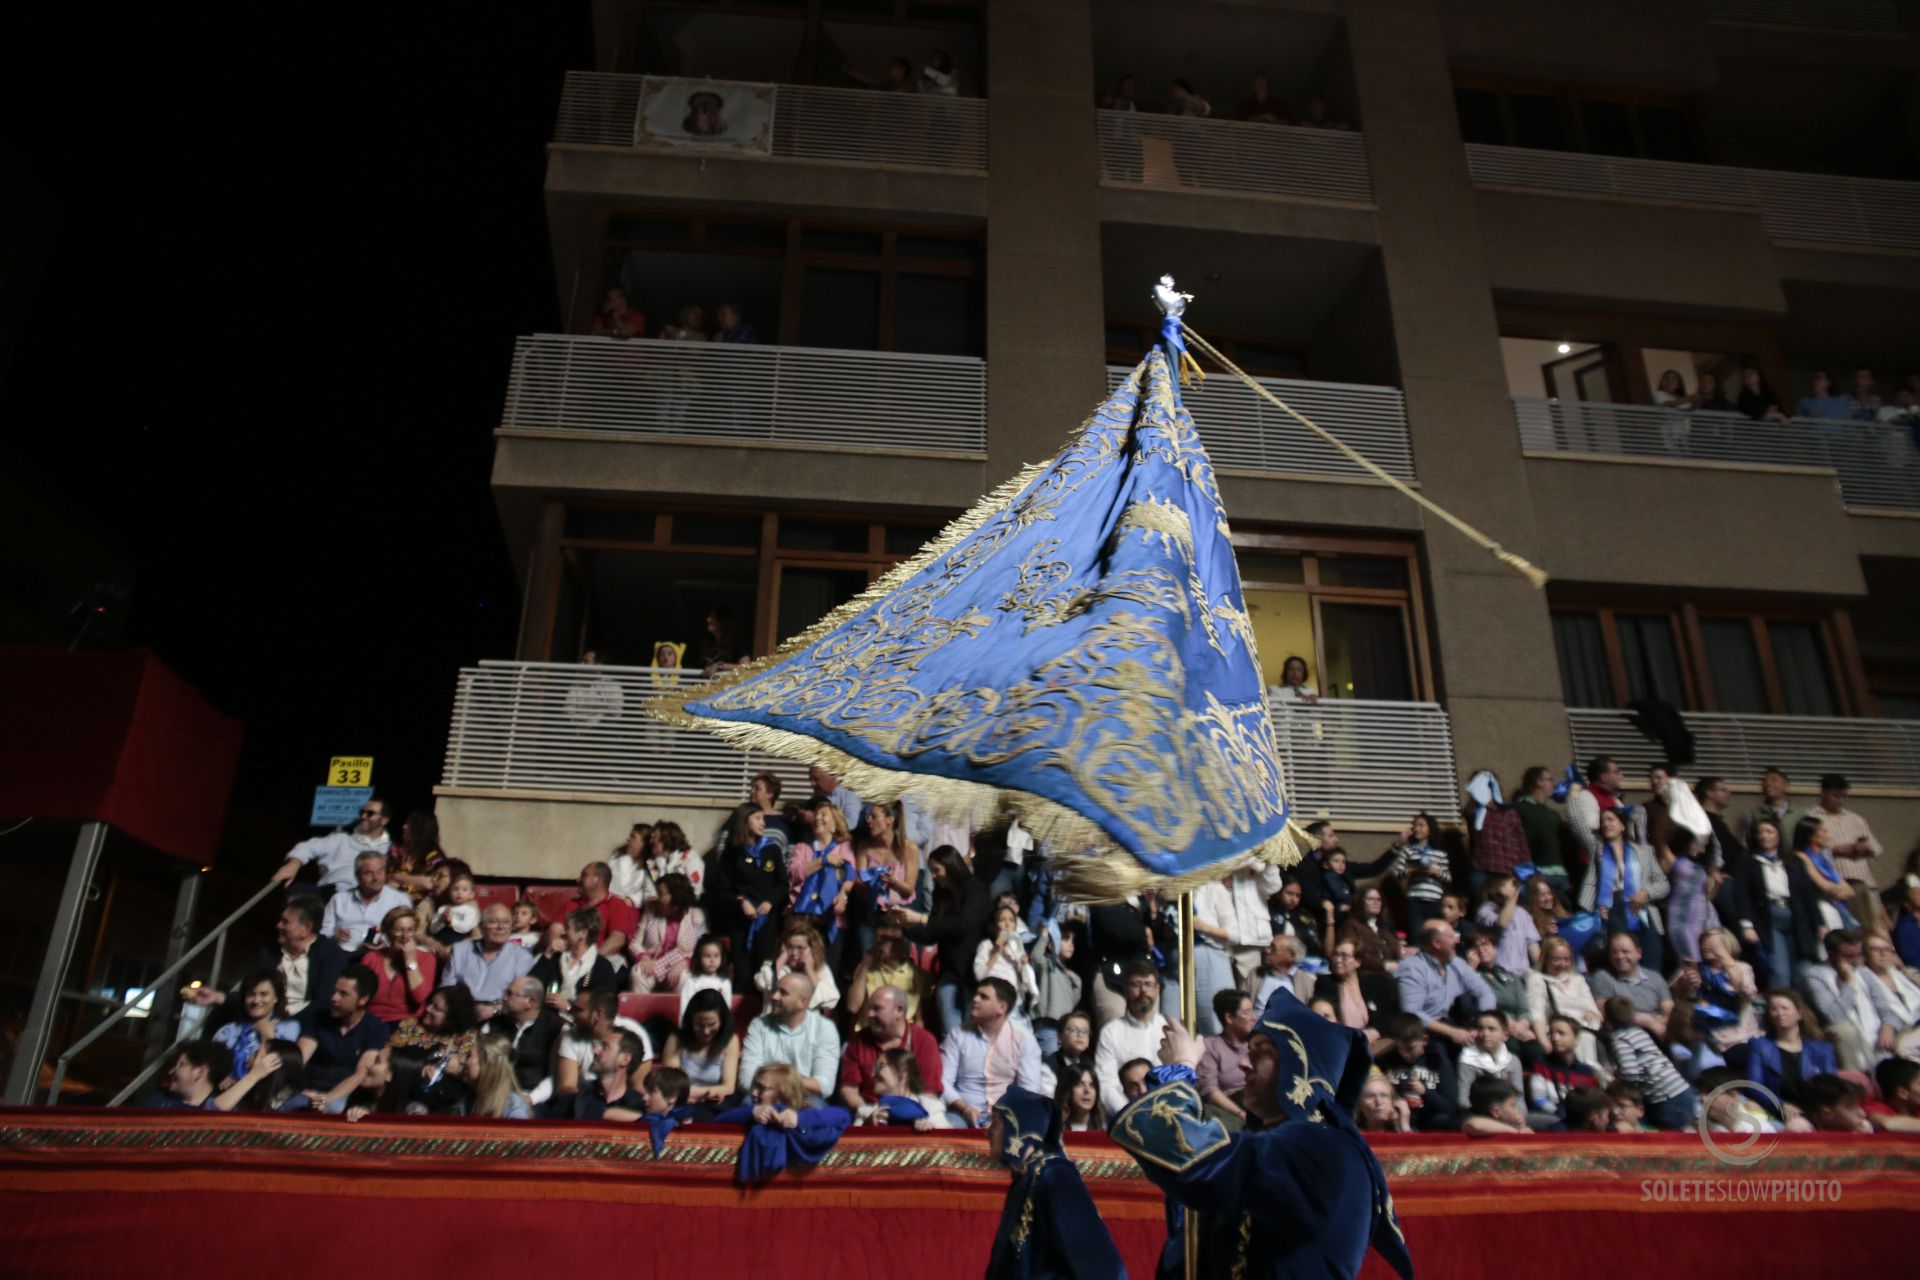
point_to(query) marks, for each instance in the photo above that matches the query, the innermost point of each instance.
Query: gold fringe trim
(1091, 866)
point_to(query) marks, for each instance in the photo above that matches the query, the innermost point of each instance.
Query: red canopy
(116, 738)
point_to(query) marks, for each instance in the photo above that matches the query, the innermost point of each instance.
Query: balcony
(805, 396)
(1242, 430)
(1877, 465)
(536, 730)
(1875, 755)
(1798, 209)
(1231, 157)
(834, 126)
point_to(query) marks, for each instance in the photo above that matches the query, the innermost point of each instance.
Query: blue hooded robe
(1049, 1227)
(1301, 1198)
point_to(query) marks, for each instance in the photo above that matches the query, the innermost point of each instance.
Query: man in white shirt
(353, 915)
(791, 1032)
(1137, 1035)
(1251, 925)
(1277, 969)
(981, 1060)
(338, 852)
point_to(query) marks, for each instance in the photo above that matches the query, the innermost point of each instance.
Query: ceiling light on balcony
(1564, 348)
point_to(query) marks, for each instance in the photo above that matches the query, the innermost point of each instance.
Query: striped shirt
(1640, 1060)
(1424, 857)
(1843, 828)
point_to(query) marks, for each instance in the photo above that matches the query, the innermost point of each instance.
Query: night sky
(269, 343)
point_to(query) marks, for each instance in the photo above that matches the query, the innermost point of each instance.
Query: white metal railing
(850, 126)
(1242, 430)
(1827, 15)
(1796, 208)
(1871, 753)
(546, 727)
(1363, 761)
(1138, 149)
(1877, 464)
(885, 400)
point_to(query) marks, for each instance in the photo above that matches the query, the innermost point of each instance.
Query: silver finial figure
(1170, 300)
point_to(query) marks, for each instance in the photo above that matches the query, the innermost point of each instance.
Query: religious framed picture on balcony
(711, 115)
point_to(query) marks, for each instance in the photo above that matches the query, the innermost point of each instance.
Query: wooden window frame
(795, 260)
(1845, 672)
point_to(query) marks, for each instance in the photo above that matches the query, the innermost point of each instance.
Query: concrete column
(1493, 640)
(1044, 309)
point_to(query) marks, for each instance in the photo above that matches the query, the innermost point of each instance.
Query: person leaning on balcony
(1865, 399)
(937, 78)
(691, 328)
(1259, 107)
(732, 327)
(1672, 389)
(1186, 102)
(1707, 397)
(617, 318)
(1822, 402)
(1756, 399)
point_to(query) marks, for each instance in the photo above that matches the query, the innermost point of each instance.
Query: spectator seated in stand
(887, 1029)
(1435, 981)
(1136, 1034)
(353, 916)
(670, 926)
(276, 1080)
(263, 1006)
(1557, 989)
(1494, 1110)
(530, 1030)
(615, 1055)
(1652, 1000)
(1842, 990)
(704, 1048)
(1076, 1046)
(458, 918)
(1421, 1073)
(619, 921)
(1589, 1110)
(1078, 1096)
(575, 1066)
(338, 1048)
(1671, 1103)
(791, 1032)
(1731, 1110)
(493, 1089)
(1133, 1078)
(1381, 1110)
(388, 1086)
(578, 966)
(986, 1055)
(1222, 1072)
(1898, 1110)
(338, 854)
(1558, 1074)
(712, 971)
(404, 967)
(1280, 967)
(489, 964)
(1835, 1105)
(901, 1095)
(446, 1029)
(308, 965)
(802, 951)
(1487, 1057)
(198, 1067)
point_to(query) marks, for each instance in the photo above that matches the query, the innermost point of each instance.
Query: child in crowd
(1494, 1110)
(1453, 907)
(1589, 1110)
(1671, 1103)
(666, 1090)
(526, 925)
(1557, 1074)
(1898, 1110)
(1488, 1055)
(1324, 1007)
(1835, 1105)
(1336, 889)
(459, 918)
(1421, 1074)
(901, 1093)
(1732, 1111)
(710, 971)
(1629, 1103)
(1076, 1046)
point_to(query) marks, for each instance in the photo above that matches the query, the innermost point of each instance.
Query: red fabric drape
(117, 738)
(159, 1195)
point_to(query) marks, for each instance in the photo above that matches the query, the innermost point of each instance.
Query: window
(624, 580)
(798, 282)
(1602, 120)
(1346, 610)
(1746, 664)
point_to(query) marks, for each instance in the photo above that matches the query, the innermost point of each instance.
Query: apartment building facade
(1524, 217)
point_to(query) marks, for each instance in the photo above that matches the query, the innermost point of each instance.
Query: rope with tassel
(1518, 563)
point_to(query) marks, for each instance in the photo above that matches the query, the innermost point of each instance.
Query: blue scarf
(767, 1148)
(1608, 891)
(901, 1109)
(819, 890)
(1716, 1002)
(658, 1126)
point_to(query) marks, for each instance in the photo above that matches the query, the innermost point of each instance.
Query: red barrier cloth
(164, 1194)
(115, 738)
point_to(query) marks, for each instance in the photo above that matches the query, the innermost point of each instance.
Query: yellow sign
(350, 771)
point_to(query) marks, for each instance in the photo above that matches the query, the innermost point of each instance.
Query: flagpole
(1189, 1018)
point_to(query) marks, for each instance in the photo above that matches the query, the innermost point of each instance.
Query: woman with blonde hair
(488, 1067)
(404, 969)
(1557, 989)
(780, 1126)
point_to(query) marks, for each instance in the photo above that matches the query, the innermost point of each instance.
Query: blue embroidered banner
(1075, 648)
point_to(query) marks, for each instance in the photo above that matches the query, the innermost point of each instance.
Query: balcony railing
(1140, 150)
(846, 126)
(1825, 15)
(1242, 430)
(1795, 208)
(1871, 753)
(1877, 464)
(549, 728)
(884, 400)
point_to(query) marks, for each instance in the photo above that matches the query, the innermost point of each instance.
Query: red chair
(552, 899)
(641, 1007)
(485, 895)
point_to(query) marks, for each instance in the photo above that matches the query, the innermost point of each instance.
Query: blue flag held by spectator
(1075, 650)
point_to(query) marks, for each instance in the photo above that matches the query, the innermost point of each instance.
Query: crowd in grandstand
(1580, 959)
